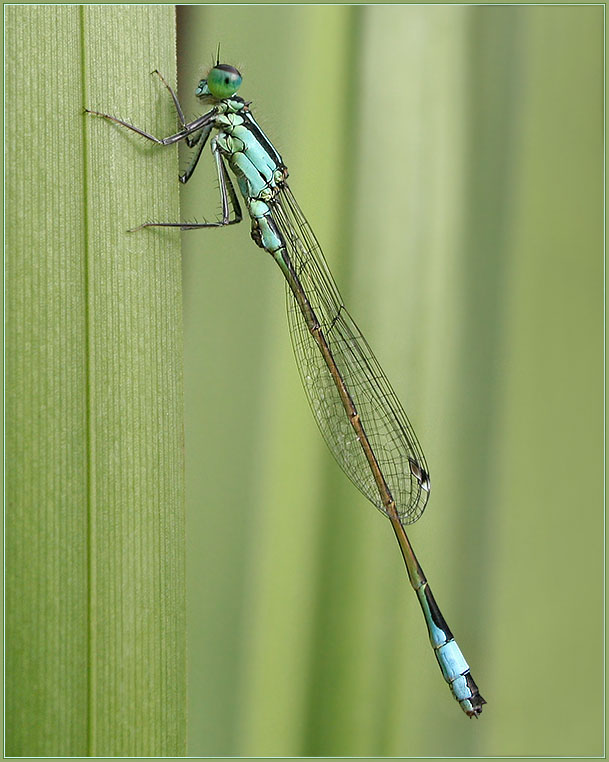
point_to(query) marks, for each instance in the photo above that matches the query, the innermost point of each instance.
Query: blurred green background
(450, 161)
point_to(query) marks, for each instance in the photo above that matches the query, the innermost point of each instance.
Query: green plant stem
(95, 659)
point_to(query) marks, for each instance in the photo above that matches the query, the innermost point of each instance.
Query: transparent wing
(391, 436)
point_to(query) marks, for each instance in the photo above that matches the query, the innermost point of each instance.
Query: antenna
(218, 55)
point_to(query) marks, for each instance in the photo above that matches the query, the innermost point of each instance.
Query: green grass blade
(94, 555)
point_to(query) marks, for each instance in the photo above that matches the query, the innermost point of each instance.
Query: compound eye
(223, 81)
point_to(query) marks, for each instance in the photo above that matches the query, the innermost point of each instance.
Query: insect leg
(227, 194)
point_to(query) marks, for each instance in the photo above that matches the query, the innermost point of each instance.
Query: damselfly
(355, 407)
